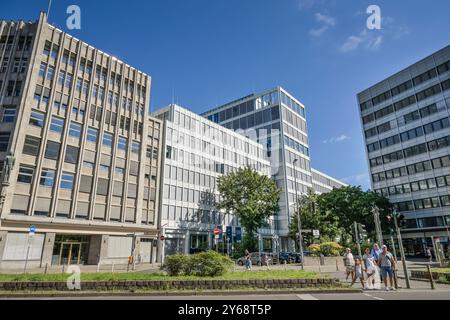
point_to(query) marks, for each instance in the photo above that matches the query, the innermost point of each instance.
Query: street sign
(162, 237)
(32, 230)
(220, 235)
(238, 232)
(216, 231)
(229, 231)
(316, 233)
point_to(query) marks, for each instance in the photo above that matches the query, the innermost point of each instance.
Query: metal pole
(430, 274)
(393, 247)
(402, 252)
(26, 259)
(376, 217)
(355, 224)
(298, 216)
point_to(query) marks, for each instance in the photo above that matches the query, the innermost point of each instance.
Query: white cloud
(368, 39)
(326, 23)
(373, 39)
(337, 139)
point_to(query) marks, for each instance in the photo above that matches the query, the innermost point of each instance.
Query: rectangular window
(135, 147)
(9, 114)
(71, 155)
(52, 150)
(42, 69)
(66, 181)
(25, 174)
(108, 140)
(4, 141)
(92, 135)
(75, 130)
(37, 118)
(50, 73)
(47, 178)
(122, 143)
(57, 124)
(31, 145)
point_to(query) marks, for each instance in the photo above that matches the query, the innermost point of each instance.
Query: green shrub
(330, 249)
(209, 264)
(175, 265)
(314, 250)
(203, 264)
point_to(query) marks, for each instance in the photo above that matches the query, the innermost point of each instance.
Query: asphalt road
(367, 295)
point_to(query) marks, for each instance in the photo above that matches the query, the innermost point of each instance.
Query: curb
(176, 293)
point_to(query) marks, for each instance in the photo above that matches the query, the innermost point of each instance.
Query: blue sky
(210, 52)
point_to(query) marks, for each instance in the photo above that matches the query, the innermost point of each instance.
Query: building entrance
(70, 250)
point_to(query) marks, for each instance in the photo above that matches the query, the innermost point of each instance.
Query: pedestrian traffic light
(362, 232)
(401, 221)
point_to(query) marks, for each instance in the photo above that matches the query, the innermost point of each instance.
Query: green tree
(350, 204)
(252, 197)
(314, 219)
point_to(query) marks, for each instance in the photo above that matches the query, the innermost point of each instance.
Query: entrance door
(70, 253)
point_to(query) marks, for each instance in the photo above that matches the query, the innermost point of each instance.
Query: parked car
(286, 257)
(256, 259)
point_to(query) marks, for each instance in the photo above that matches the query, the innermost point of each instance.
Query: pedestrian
(248, 260)
(429, 255)
(349, 263)
(373, 275)
(267, 261)
(358, 273)
(375, 251)
(387, 265)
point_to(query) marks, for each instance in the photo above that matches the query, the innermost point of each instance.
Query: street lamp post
(298, 215)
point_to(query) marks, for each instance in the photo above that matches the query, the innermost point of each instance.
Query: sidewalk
(119, 268)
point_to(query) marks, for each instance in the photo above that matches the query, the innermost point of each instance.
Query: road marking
(306, 297)
(370, 296)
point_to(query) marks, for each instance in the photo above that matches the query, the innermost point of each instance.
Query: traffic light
(390, 224)
(362, 232)
(401, 221)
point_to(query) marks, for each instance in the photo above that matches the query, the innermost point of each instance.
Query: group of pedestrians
(375, 266)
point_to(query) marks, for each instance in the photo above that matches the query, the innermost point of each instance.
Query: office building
(197, 152)
(277, 120)
(323, 183)
(79, 152)
(406, 127)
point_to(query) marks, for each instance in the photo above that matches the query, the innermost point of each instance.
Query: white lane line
(368, 295)
(306, 297)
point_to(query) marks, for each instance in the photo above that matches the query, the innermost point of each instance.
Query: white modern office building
(277, 120)
(406, 127)
(197, 152)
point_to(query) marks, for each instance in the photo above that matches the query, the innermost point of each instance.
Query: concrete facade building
(323, 183)
(277, 120)
(406, 127)
(197, 152)
(79, 153)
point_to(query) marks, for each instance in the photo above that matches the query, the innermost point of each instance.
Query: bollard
(285, 265)
(320, 268)
(431, 277)
(46, 266)
(112, 268)
(98, 267)
(337, 265)
(62, 268)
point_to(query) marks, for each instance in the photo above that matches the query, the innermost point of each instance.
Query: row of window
(69, 59)
(427, 203)
(411, 169)
(397, 106)
(296, 146)
(24, 43)
(47, 178)
(255, 119)
(174, 213)
(412, 151)
(37, 118)
(410, 134)
(408, 118)
(430, 74)
(20, 65)
(196, 160)
(421, 185)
